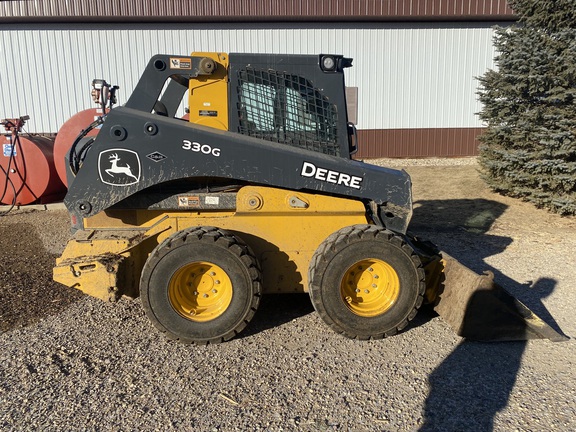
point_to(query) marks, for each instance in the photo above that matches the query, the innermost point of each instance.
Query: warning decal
(180, 63)
(188, 201)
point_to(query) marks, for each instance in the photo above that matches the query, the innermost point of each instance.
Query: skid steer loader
(257, 192)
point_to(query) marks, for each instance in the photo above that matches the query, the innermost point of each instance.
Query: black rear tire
(201, 285)
(366, 282)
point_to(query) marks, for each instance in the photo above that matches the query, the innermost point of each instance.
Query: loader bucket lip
(479, 309)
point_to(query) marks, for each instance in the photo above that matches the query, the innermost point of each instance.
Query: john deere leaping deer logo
(116, 169)
(119, 167)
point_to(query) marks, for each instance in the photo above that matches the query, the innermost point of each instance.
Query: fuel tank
(28, 174)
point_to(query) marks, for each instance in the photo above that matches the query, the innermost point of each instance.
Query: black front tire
(371, 259)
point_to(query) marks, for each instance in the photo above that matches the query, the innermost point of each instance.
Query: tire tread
(209, 235)
(328, 250)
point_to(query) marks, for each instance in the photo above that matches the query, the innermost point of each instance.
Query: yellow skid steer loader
(256, 192)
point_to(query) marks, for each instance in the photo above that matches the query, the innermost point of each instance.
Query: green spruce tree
(529, 106)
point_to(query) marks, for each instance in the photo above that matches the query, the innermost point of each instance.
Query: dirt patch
(455, 196)
(27, 291)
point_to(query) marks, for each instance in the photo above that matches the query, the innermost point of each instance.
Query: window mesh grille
(287, 109)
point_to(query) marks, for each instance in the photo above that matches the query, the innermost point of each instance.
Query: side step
(479, 309)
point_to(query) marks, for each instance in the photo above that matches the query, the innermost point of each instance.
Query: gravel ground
(70, 362)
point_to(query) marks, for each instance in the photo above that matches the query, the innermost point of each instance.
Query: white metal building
(411, 75)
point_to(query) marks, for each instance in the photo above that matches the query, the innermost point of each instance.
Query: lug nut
(367, 292)
(205, 296)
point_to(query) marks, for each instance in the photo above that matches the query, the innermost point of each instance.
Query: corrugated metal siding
(411, 76)
(419, 77)
(259, 10)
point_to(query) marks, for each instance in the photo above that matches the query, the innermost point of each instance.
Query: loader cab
(296, 100)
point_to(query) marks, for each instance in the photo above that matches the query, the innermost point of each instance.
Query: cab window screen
(286, 109)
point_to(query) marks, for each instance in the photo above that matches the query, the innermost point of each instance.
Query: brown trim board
(252, 10)
(418, 143)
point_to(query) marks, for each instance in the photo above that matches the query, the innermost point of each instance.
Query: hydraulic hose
(75, 160)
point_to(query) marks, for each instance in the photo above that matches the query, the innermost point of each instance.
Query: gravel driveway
(70, 362)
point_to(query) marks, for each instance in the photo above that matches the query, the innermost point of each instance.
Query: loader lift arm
(192, 151)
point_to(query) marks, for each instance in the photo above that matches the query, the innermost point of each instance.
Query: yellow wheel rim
(370, 287)
(200, 291)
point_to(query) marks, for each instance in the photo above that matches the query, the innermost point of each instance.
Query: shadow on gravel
(471, 386)
(27, 291)
(459, 227)
(277, 309)
(469, 215)
(474, 383)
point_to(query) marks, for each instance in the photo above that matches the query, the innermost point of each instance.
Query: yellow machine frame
(283, 228)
